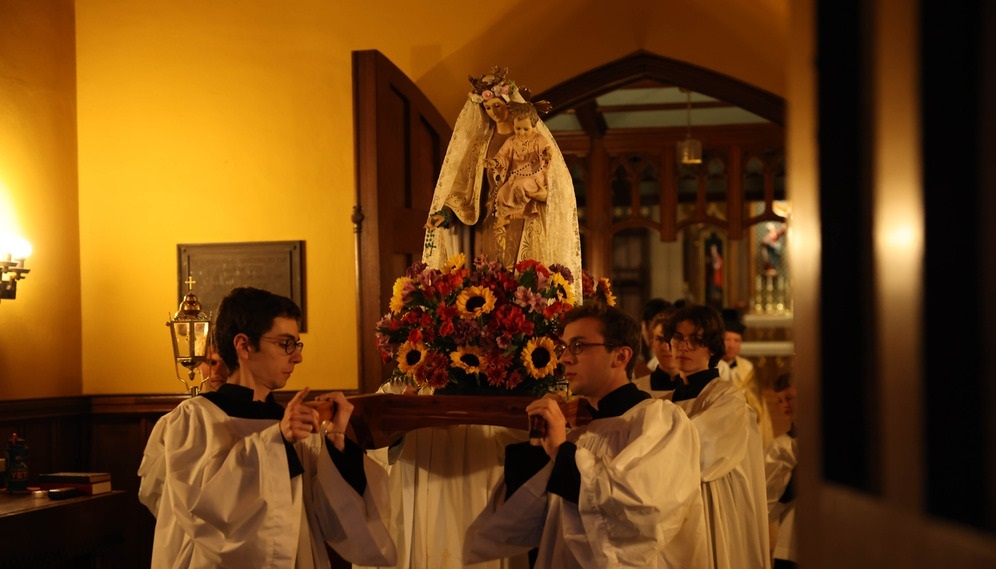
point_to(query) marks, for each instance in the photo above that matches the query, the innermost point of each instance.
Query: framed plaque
(217, 268)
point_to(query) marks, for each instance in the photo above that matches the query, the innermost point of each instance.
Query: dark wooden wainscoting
(94, 433)
(99, 433)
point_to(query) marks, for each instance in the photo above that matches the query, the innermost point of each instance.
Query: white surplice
(733, 482)
(779, 464)
(640, 501)
(440, 482)
(152, 471)
(226, 497)
(743, 376)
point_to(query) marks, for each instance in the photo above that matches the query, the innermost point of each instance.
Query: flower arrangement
(483, 330)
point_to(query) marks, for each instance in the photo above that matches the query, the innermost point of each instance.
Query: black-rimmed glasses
(577, 346)
(691, 343)
(288, 344)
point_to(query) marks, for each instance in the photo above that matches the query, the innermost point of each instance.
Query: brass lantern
(191, 331)
(689, 150)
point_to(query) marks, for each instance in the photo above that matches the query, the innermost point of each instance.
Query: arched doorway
(711, 233)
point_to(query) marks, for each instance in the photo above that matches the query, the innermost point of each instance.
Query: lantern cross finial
(190, 282)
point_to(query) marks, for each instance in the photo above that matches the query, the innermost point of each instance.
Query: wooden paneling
(94, 433)
(400, 142)
(105, 433)
(79, 532)
(641, 66)
(56, 431)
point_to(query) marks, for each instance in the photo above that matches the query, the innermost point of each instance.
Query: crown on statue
(493, 84)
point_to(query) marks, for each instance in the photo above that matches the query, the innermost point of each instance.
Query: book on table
(90, 489)
(75, 477)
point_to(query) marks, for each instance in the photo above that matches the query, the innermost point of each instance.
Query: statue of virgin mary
(463, 194)
(441, 478)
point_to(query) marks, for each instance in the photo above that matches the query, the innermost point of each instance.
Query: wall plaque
(217, 268)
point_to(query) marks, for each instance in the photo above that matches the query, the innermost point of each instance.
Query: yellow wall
(40, 330)
(243, 109)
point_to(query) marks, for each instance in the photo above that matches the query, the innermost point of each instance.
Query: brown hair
(708, 321)
(618, 328)
(523, 111)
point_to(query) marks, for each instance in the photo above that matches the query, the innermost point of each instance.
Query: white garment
(440, 482)
(551, 238)
(779, 463)
(640, 502)
(742, 375)
(153, 468)
(227, 498)
(732, 476)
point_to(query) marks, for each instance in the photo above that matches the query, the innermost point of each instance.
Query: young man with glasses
(622, 491)
(731, 459)
(249, 483)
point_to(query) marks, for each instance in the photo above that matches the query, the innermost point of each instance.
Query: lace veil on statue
(552, 238)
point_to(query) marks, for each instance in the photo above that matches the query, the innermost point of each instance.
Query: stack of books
(88, 483)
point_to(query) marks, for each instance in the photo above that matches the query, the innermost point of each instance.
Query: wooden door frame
(374, 75)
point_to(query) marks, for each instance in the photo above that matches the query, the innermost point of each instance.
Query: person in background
(249, 483)
(213, 370)
(622, 491)
(666, 375)
(732, 461)
(740, 371)
(779, 467)
(646, 360)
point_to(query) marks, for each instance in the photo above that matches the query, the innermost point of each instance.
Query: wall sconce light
(13, 252)
(191, 332)
(689, 150)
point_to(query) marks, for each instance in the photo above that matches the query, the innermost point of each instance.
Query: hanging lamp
(690, 149)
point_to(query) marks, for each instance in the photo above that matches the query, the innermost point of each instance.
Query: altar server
(740, 371)
(622, 491)
(248, 483)
(733, 483)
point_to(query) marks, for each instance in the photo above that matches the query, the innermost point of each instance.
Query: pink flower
(529, 299)
(487, 94)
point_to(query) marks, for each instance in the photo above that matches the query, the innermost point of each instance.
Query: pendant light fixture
(690, 149)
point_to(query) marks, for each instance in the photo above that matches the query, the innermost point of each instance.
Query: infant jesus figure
(518, 170)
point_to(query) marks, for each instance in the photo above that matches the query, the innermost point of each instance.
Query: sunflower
(538, 357)
(469, 359)
(565, 291)
(411, 356)
(455, 262)
(605, 287)
(398, 298)
(475, 301)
